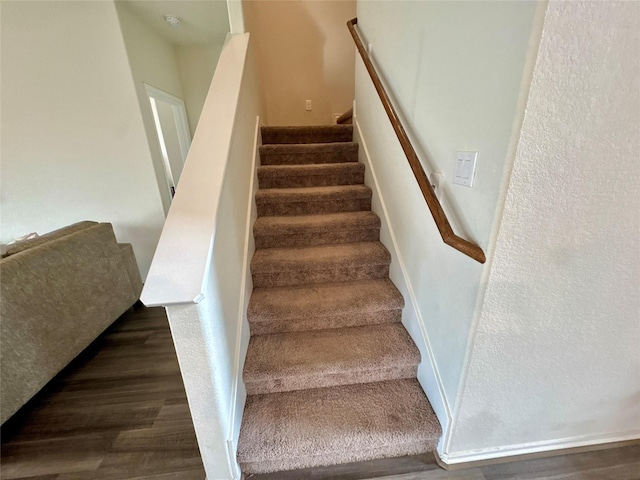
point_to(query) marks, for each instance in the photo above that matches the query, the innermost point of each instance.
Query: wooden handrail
(444, 227)
(345, 117)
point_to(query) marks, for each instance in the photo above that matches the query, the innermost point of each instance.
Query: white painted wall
(428, 374)
(454, 70)
(200, 271)
(196, 64)
(153, 61)
(74, 145)
(555, 360)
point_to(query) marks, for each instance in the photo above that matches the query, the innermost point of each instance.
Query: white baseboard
(239, 393)
(428, 374)
(474, 456)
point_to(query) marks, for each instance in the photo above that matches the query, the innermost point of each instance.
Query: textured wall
(555, 360)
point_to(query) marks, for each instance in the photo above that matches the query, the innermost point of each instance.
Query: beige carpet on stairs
(330, 370)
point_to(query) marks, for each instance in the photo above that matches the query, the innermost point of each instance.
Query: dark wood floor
(621, 463)
(119, 412)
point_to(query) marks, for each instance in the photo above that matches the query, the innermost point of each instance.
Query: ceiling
(203, 22)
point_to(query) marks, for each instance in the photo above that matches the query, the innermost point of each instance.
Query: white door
(174, 139)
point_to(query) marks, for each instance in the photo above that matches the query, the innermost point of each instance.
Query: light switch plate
(465, 168)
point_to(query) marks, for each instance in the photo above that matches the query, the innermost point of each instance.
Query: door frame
(182, 129)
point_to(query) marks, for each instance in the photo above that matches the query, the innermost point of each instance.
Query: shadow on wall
(301, 56)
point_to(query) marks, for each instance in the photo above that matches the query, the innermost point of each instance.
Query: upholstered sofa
(58, 292)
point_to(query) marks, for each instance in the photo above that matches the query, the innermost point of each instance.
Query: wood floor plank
(90, 444)
(564, 466)
(156, 439)
(615, 472)
(127, 338)
(359, 470)
(469, 474)
(129, 466)
(161, 338)
(54, 421)
(45, 465)
(174, 416)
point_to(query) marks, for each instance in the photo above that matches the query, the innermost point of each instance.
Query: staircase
(330, 370)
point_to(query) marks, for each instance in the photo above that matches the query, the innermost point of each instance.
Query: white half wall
(423, 51)
(200, 271)
(73, 142)
(555, 362)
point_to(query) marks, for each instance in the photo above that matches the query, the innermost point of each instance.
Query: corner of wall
(525, 83)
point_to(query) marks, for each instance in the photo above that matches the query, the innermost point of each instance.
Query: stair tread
(308, 153)
(295, 224)
(325, 256)
(298, 357)
(309, 174)
(303, 134)
(307, 194)
(310, 169)
(317, 229)
(324, 426)
(268, 303)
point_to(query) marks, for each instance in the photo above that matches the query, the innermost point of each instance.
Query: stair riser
(347, 456)
(299, 181)
(300, 324)
(304, 382)
(310, 238)
(304, 276)
(307, 158)
(311, 208)
(270, 136)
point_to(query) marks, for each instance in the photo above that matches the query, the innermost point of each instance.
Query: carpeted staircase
(330, 370)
